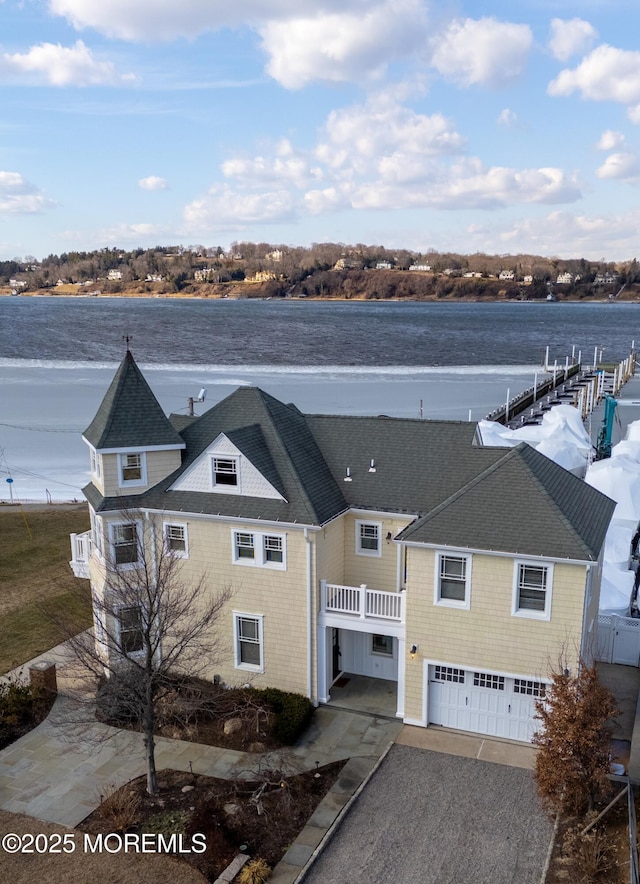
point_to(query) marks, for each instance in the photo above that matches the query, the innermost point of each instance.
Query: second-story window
(124, 538)
(132, 468)
(368, 538)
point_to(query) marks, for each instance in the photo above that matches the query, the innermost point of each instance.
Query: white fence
(618, 640)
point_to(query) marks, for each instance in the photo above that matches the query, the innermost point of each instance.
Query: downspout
(154, 560)
(309, 619)
(587, 654)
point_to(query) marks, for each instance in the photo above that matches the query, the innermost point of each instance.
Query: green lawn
(35, 577)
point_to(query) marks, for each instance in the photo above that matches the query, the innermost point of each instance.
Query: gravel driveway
(439, 819)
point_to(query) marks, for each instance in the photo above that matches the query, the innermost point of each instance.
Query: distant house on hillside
(565, 278)
(206, 274)
(607, 277)
(384, 265)
(421, 267)
(507, 275)
(347, 264)
(114, 275)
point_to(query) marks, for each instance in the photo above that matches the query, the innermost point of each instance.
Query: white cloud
(609, 140)
(222, 206)
(61, 66)
(288, 166)
(570, 37)
(619, 165)
(18, 196)
(468, 184)
(153, 182)
(345, 46)
(381, 136)
(150, 20)
(508, 119)
(482, 52)
(606, 74)
(565, 234)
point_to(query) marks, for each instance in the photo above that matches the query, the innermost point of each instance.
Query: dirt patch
(261, 817)
(600, 856)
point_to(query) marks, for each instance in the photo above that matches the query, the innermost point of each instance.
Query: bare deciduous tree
(151, 626)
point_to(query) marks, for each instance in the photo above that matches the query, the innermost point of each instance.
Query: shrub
(18, 707)
(121, 808)
(292, 713)
(591, 855)
(256, 871)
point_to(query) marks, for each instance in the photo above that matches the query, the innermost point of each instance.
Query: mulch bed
(261, 818)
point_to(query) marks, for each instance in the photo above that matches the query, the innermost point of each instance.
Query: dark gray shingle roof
(524, 504)
(130, 416)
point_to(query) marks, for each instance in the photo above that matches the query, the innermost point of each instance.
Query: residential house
(114, 275)
(421, 267)
(389, 548)
(606, 277)
(508, 275)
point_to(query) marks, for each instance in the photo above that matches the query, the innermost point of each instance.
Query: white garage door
(483, 703)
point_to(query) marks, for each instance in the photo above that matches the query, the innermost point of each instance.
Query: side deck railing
(81, 546)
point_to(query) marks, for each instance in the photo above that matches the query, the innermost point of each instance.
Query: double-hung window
(453, 580)
(249, 643)
(124, 541)
(176, 539)
(225, 471)
(368, 538)
(259, 549)
(130, 628)
(532, 590)
(133, 468)
(96, 464)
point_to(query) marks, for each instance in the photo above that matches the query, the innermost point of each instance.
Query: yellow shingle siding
(279, 596)
(488, 636)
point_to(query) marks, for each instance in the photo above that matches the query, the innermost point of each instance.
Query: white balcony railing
(362, 602)
(81, 546)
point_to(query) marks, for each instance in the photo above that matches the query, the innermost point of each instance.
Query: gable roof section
(276, 439)
(251, 442)
(130, 416)
(523, 504)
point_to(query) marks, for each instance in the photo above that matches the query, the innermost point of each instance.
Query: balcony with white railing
(81, 545)
(362, 603)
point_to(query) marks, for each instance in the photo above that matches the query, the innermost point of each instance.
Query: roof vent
(347, 477)
(372, 466)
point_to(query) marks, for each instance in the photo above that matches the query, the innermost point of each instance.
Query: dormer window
(96, 464)
(225, 471)
(133, 468)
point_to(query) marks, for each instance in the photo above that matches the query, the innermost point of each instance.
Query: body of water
(58, 355)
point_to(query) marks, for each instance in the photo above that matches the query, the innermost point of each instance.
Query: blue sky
(427, 125)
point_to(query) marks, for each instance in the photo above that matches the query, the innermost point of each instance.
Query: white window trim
(452, 603)
(132, 483)
(526, 612)
(112, 549)
(134, 655)
(259, 559)
(96, 533)
(96, 464)
(259, 618)
(223, 488)
(375, 553)
(178, 553)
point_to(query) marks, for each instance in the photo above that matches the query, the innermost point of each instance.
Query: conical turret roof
(130, 416)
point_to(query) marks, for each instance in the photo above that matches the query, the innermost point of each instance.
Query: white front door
(482, 702)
